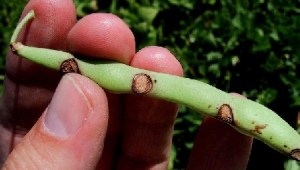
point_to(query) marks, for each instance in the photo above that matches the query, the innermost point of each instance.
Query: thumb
(70, 134)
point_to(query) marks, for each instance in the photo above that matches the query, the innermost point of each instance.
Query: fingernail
(68, 109)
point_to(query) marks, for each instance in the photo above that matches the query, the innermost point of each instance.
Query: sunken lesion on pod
(295, 154)
(225, 114)
(141, 83)
(69, 66)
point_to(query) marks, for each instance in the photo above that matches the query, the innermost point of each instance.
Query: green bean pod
(246, 116)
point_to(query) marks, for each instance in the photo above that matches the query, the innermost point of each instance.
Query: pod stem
(30, 15)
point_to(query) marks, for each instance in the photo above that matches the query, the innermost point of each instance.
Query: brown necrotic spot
(141, 83)
(225, 114)
(258, 128)
(69, 66)
(295, 154)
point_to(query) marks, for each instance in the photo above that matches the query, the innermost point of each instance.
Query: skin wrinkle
(32, 156)
(45, 153)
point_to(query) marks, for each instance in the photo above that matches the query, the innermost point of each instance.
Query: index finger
(102, 35)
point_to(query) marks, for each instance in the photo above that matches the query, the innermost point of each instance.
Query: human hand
(84, 127)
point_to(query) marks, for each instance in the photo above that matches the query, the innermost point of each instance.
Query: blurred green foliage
(249, 47)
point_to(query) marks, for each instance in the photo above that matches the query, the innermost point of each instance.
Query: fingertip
(102, 35)
(157, 59)
(97, 120)
(95, 94)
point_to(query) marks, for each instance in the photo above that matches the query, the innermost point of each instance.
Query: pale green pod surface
(244, 115)
(40, 55)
